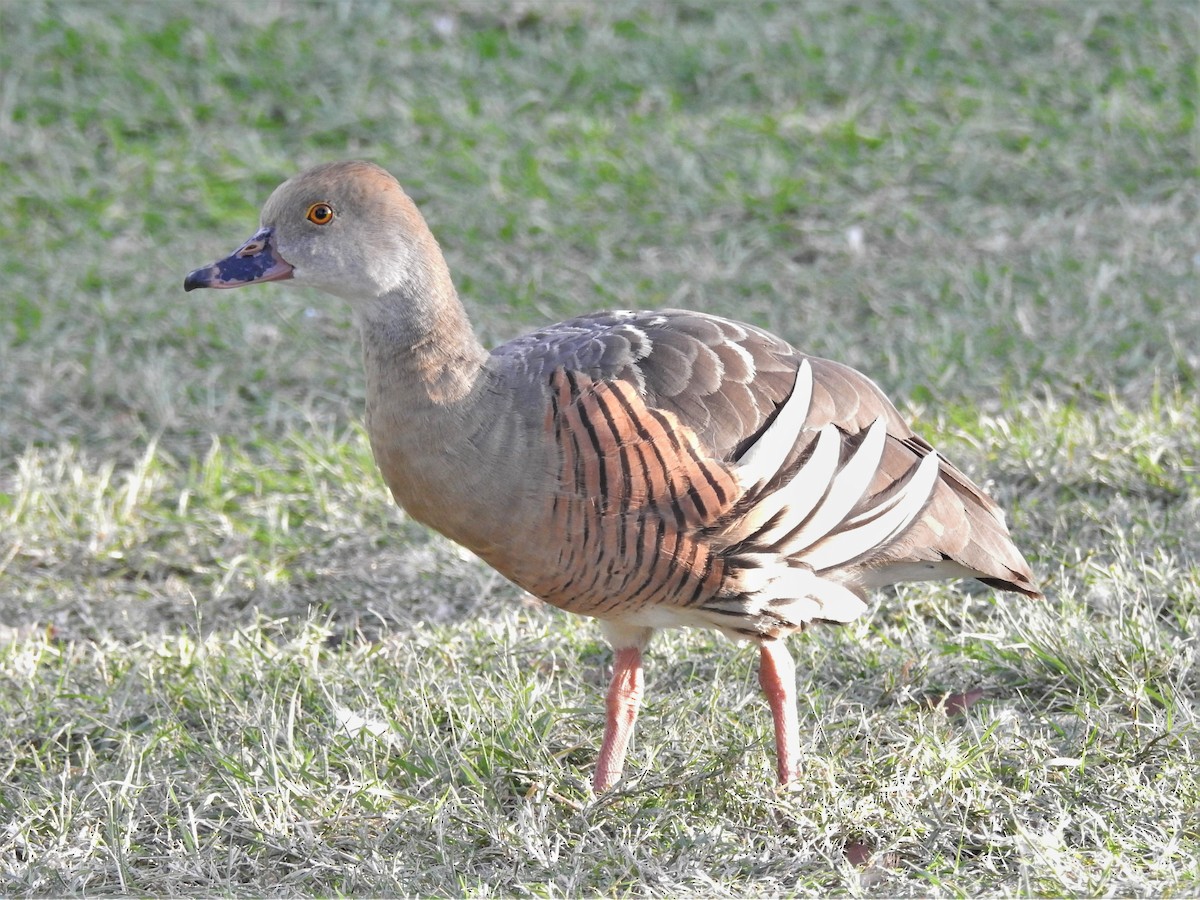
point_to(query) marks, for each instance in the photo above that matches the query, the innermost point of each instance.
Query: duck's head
(345, 227)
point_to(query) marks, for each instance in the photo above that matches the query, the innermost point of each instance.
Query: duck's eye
(320, 214)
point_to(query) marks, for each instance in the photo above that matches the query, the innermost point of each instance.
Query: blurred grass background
(989, 207)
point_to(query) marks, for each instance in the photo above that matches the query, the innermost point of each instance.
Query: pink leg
(624, 697)
(777, 675)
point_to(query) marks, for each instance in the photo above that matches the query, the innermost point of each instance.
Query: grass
(231, 667)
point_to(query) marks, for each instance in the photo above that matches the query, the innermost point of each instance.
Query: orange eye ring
(320, 214)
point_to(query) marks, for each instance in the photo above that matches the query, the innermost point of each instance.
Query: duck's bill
(254, 261)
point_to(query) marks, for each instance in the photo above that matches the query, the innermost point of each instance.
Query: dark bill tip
(198, 279)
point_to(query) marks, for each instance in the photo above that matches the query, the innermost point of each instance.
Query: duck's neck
(418, 346)
(427, 406)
